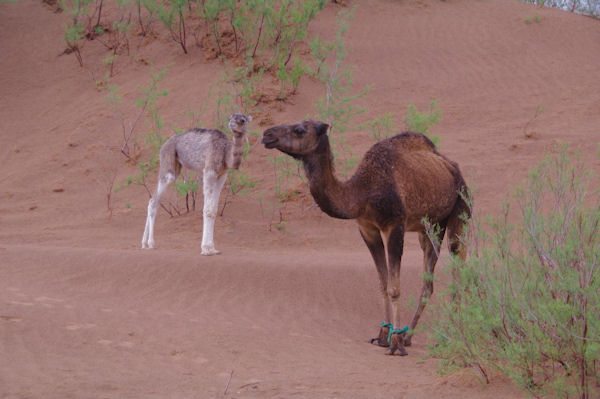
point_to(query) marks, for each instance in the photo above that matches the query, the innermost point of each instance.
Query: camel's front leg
(395, 247)
(372, 238)
(212, 186)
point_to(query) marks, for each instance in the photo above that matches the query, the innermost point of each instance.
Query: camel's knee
(152, 207)
(209, 213)
(383, 289)
(393, 293)
(428, 289)
(168, 179)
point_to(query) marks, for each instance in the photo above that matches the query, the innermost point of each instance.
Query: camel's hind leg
(163, 184)
(212, 186)
(169, 169)
(455, 225)
(430, 257)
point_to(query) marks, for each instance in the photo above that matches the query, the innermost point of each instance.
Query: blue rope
(392, 331)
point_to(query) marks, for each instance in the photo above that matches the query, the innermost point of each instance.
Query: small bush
(338, 106)
(421, 122)
(382, 127)
(527, 299)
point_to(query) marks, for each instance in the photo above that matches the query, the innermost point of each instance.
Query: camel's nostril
(268, 139)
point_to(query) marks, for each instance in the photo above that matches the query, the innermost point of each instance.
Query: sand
(85, 313)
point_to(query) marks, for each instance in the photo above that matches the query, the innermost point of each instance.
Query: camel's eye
(299, 131)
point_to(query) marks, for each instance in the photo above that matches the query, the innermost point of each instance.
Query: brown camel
(399, 182)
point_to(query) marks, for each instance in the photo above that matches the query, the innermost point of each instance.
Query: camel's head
(238, 124)
(297, 140)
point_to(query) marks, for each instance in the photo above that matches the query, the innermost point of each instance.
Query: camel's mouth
(269, 141)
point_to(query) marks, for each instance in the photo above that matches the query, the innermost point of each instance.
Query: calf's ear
(321, 128)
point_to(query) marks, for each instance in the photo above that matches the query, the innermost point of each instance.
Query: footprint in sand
(21, 303)
(73, 327)
(123, 344)
(47, 299)
(200, 360)
(48, 302)
(14, 319)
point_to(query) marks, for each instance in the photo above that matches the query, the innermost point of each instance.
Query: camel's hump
(400, 149)
(411, 141)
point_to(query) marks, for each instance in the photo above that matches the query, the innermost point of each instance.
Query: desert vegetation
(258, 42)
(586, 7)
(262, 35)
(525, 302)
(526, 298)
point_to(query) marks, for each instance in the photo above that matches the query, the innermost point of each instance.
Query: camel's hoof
(378, 342)
(408, 341)
(382, 339)
(396, 352)
(210, 252)
(397, 345)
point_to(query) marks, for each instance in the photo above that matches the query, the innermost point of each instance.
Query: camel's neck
(236, 152)
(333, 197)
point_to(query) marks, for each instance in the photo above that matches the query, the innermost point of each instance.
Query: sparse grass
(536, 18)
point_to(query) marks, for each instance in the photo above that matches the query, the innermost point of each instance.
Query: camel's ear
(321, 128)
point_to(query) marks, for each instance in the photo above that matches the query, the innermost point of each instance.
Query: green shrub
(382, 127)
(421, 122)
(75, 30)
(527, 299)
(338, 106)
(173, 16)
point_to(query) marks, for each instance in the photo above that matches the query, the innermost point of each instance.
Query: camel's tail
(169, 162)
(459, 219)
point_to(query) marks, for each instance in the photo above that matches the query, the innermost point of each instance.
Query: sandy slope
(85, 313)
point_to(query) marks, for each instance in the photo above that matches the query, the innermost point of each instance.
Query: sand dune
(84, 313)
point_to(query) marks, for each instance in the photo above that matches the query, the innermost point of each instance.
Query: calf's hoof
(210, 251)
